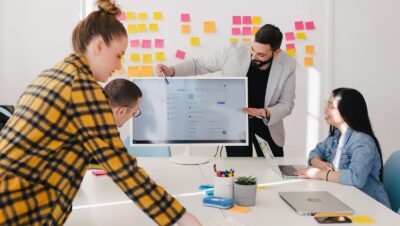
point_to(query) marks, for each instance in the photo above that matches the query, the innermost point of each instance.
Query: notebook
(285, 171)
(315, 202)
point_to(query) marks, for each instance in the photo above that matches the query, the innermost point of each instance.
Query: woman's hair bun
(109, 7)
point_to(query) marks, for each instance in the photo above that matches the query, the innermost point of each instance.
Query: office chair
(146, 151)
(391, 180)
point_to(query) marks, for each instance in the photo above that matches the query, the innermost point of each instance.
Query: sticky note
(236, 31)
(301, 35)
(299, 25)
(157, 15)
(185, 17)
(254, 30)
(236, 20)
(310, 25)
(185, 29)
(160, 56)
(142, 16)
(289, 36)
(132, 28)
(159, 43)
(247, 20)
(147, 58)
(309, 49)
(291, 52)
(141, 28)
(240, 209)
(146, 71)
(256, 19)
(135, 57)
(260, 188)
(361, 219)
(133, 71)
(146, 44)
(246, 31)
(308, 61)
(153, 27)
(233, 39)
(130, 15)
(180, 54)
(195, 41)
(135, 43)
(246, 39)
(121, 17)
(290, 46)
(209, 27)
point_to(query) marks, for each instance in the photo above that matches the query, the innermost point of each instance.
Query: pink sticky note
(290, 46)
(121, 17)
(159, 43)
(246, 31)
(135, 43)
(236, 31)
(146, 43)
(185, 17)
(247, 20)
(289, 36)
(310, 25)
(99, 172)
(180, 54)
(236, 19)
(299, 25)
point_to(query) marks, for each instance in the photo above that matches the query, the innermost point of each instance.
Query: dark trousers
(256, 126)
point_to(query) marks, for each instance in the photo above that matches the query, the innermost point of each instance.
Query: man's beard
(260, 64)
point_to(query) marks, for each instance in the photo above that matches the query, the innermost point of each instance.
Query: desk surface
(100, 202)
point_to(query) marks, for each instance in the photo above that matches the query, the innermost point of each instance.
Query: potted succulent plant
(245, 190)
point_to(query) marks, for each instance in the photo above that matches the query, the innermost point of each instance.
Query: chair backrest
(392, 180)
(147, 151)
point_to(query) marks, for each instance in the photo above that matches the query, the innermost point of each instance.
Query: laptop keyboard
(288, 170)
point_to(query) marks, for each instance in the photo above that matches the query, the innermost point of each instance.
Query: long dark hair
(353, 109)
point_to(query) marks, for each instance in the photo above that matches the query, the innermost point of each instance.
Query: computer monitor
(191, 111)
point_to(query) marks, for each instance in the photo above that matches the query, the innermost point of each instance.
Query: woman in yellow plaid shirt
(62, 120)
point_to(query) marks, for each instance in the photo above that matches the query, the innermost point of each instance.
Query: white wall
(366, 48)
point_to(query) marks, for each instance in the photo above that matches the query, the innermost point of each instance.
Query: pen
(165, 77)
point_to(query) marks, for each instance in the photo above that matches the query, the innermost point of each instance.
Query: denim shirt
(359, 163)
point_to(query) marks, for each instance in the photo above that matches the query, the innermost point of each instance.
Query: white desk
(100, 202)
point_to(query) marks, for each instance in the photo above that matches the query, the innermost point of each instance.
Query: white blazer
(234, 61)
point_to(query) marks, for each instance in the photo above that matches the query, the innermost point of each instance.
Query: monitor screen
(191, 110)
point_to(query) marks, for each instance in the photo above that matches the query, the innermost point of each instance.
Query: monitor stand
(187, 159)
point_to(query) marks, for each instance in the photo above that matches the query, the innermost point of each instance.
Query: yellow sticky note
(194, 41)
(146, 71)
(185, 29)
(133, 71)
(240, 209)
(147, 58)
(301, 35)
(142, 16)
(233, 39)
(291, 52)
(309, 49)
(361, 219)
(160, 56)
(122, 59)
(209, 27)
(135, 57)
(132, 28)
(308, 61)
(130, 15)
(246, 39)
(254, 30)
(153, 27)
(260, 188)
(157, 15)
(256, 19)
(141, 28)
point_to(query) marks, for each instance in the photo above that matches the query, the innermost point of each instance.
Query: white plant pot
(244, 195)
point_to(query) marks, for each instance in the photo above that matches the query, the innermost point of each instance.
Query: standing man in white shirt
(271, 84)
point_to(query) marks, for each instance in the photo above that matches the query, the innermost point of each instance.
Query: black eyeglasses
(137, 113)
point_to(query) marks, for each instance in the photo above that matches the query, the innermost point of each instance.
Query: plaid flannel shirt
(62, 120)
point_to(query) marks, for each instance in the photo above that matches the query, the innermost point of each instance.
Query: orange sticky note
(240, 209)
(246, 39)
(160, 56)
(130, 15)
(135, 57)
(142, 16)
(146, 71)
(308, 61)
(132, 28)
(291, 52)
(233, 39)
(361, 219)
(157, 15)
(185, 29)
(309, 49)
(133, 71)
(147, 58)
(256, 19)
(141, 28)
(153, 27)
(301, 35)
(254, 30)
(209, 27)
(195, 41)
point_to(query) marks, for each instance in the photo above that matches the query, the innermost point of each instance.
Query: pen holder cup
(223, 187)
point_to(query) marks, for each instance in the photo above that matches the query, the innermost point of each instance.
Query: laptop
(285, 171)
(315, 202)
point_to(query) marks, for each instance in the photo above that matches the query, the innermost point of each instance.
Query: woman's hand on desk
(188, 220)
(312, 173)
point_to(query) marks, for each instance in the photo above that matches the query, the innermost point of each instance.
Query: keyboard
(288, 170)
